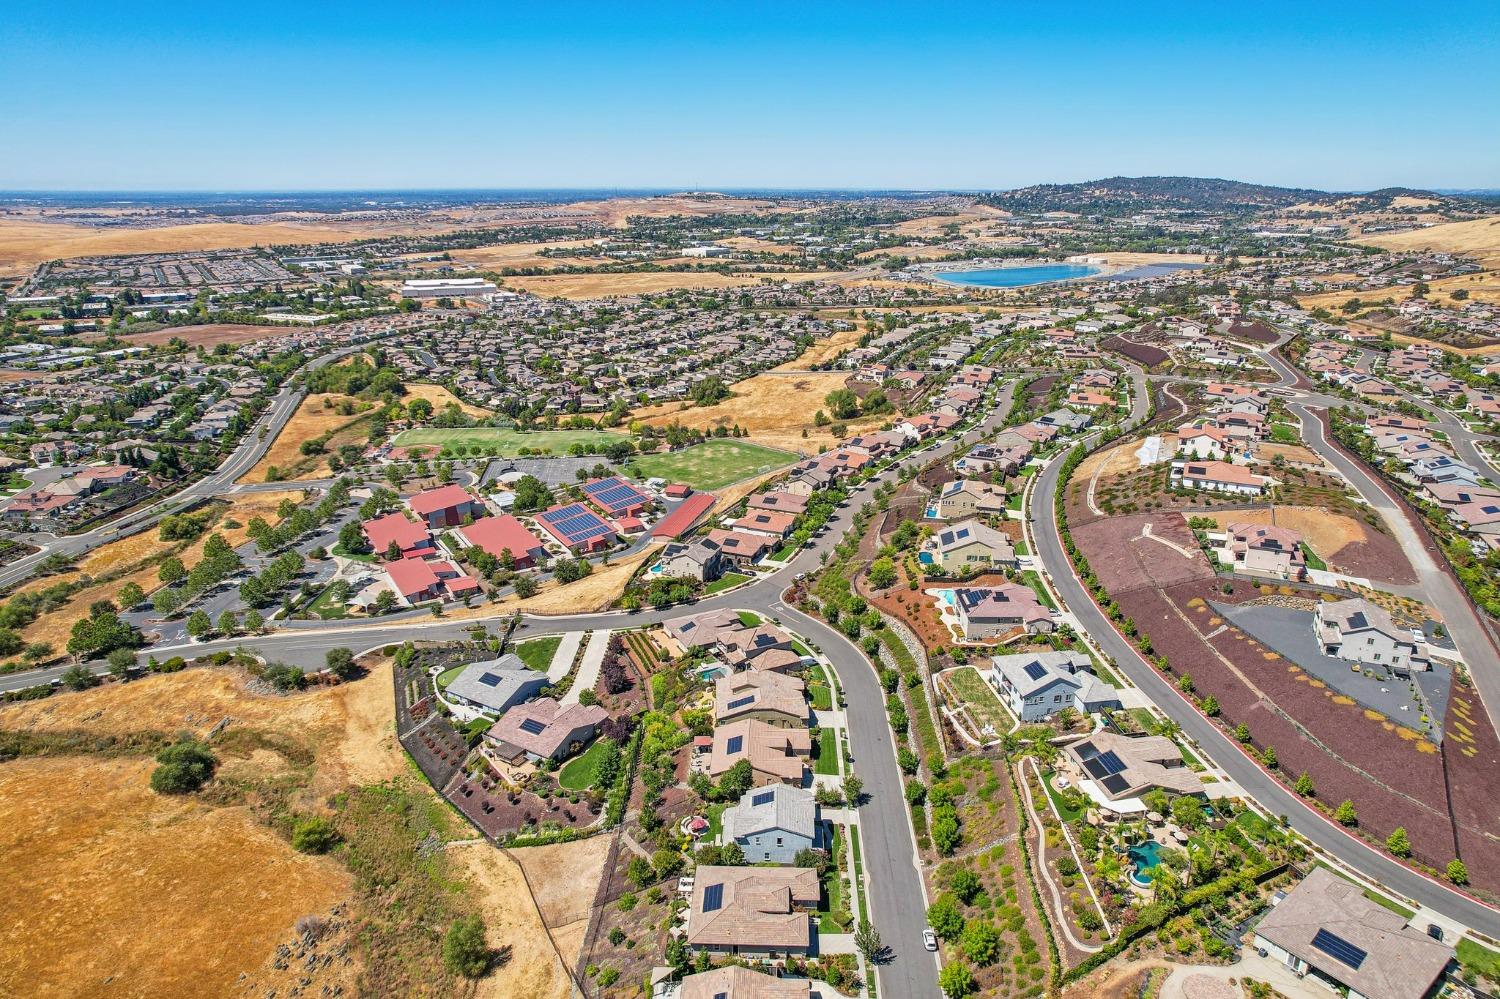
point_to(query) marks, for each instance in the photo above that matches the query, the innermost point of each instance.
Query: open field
(909, 252)
(533, 967)
(141, 891)
(823, 350)
(24, 244)
(562, 877)
(582, 286)
(617, 211)
(440, 397)
(712, 464)
(774, 407)
(209, 335)
(54, 628)
(750, 244)
(1482, 287)
(509, 441)
(521, 255)
(1479, 238)
(318, 415)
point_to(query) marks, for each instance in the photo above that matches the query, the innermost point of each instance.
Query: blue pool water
(1143, 856)
(1017, 277)
(948, 598)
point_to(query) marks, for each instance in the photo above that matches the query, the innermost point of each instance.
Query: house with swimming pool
(1115, 770)
(967, 545)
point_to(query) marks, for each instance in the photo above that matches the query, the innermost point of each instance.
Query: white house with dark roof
(1037, 685)
(1359, 631)
(492, 687)
(773, 823)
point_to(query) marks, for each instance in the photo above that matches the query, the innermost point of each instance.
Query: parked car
(929, 939)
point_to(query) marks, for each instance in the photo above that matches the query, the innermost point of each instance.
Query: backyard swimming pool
(1144, 857)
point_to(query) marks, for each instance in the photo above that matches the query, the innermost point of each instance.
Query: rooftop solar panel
(713, 898)
(763, 798)
(735, 744)
(1036, 670)
(1110, 762)
(740, 702)
(490, 679)
(1339, 949)
(1115, 784)
(533, 726)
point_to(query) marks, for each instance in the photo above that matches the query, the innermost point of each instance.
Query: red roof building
(680, 521)
(445, 506)
(678, 490)
(499, 534)
(412, 538)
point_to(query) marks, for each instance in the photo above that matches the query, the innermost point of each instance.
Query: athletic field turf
(712, 464)
(506, 441)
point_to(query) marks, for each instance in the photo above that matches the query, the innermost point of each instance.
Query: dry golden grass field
(1482, 287)
(440, 397)
(582, 286)
(775, 407)
(319, 414)
(1326, 533)
(210, 334)
(1479, 238)
(521, 255)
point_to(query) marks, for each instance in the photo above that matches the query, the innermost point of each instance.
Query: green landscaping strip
(538, 652)
(828, 753)
(1479, 959)
(579, 773)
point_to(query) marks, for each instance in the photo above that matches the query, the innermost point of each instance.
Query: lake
(1017, 277)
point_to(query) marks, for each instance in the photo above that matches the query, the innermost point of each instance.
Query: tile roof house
(1267, 550)
(967, 544)
(693, 631)
(1362, 632)
(773, 824)
(739, 547)
(1218, 476)
(700, 559)
(771, 523)
(752, 911)
(543, 730)
(410, 537)
(782, 502)
(492, 687)
(445, 506)
(1327, 928)
(1037, 685)
(771, 697)
(1122, 767)
(734, 982)
(415, 580)
(776, 755)
(991, 611)
(967, 497)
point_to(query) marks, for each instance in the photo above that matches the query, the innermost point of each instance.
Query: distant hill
(1127, 195)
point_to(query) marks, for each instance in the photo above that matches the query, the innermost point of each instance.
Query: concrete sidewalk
(588, 668)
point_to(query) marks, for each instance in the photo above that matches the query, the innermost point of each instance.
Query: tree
(340, 663)
(944, 917)
(183, 767)
(524, 586)
(867, 939)
(1187, 810)
(882, 573)
(227, 624)
(956, 980)
(964, 884)
(854, 790)
(945, 834)
(198, 624)
(1304, 785)
(314, 834)
(1398, 843)
(120, 661)
(1210, 706)
(1269, 758)
(1457, 872)
(1345, 814)
(254, 622)
(351, 538)
(171, 571)
(640, 872)
(465, 951)
(1242, 733)
(131, 594)
(981, 942)
(77, 677)
(736, 781)
(842, 403)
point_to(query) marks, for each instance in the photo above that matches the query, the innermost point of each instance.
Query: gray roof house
(1066, 420)
(1359, 631)
(699, 559)
(493, 687)
(1328, 930)
(1037, 685)
(772, 823)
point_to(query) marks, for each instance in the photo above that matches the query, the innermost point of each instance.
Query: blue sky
(274, 95)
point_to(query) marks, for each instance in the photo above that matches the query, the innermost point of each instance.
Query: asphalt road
(1225, 753)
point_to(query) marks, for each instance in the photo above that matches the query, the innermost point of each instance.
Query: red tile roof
(442, 498)
(676, 523)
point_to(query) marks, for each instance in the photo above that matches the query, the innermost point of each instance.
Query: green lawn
(712, 464)
(1313, 562)
(1254, 826)
(1034, 581)
(749, 619)
(1068, 814)
(507, 441)
(818, 688)
(715, 817)
(447, 676)
(326, 608)
(828, 752)
(579, 772)
(724, 582)
(538, 652)
(800, 649)
(980, 698)
(1479, 959)
(1284, 433)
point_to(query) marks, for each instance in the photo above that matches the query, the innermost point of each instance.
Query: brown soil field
(55, 628)
(617, 211)
(936, 225)
(752, 245)
(585, 286)
(533, 968)
(16, 376)
(440, 397)
(774, 408)
(210, 335)
(1479, 238)
(910, 252)
(1267, 451)
(560, 876)
(1482, 287)
(521, 255)
(142, 892)
(312, 419)
(1126, 259)
(24, 244)
(1344, 543)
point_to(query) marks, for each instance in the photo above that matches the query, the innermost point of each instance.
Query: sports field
(507, 442)
(712, 464)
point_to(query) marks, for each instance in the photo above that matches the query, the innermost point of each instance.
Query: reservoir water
(1017, 277)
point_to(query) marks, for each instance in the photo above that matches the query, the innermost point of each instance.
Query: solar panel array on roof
(735, 744)
(713, 898)
(763, 798)
(1111, 762)
(1036, 670)
(1115, 784)
(1339, 949)
(614, 494)
(946, 538)
(490, 679)
(575, 523)
(740, 702)
(533, 726)
(1357, 620)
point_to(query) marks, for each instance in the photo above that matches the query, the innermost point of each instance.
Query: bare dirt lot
(209, 335)
(532, 967)
(1346, 544)
(522, 255)
(774, 407)
(561, 877)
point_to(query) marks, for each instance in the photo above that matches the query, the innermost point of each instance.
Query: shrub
(314, 835)
(183, 767)
(465, 951)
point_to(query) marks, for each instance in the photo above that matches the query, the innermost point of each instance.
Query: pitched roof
(737, 982)
(759, 691)
(779, 752)
(496, 683)
(430, 501)
(543, 726)
(497, 534)
(778, 806)
(381, 531)
(752, 906)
